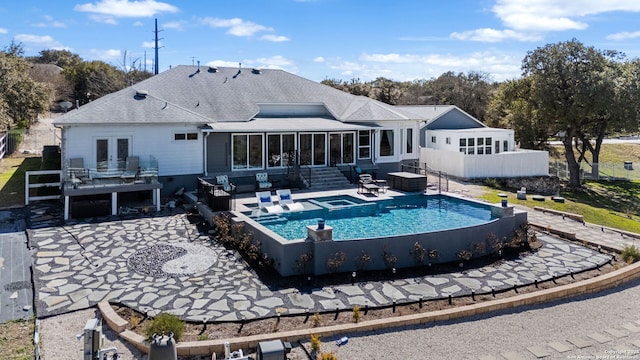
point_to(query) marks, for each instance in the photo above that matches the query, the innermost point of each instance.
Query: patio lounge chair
(367, 183)
(264, 202)
(131, 170)
(78, 174)
(262, 181)
(284, 199)
(224, 181)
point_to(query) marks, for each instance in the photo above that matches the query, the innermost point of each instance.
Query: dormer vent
(256, 71)
(213, 69)
(141, 94)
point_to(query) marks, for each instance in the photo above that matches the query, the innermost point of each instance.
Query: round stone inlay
(165, 260)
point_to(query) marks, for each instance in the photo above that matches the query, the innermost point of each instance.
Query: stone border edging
(572, 216)
(208, 347)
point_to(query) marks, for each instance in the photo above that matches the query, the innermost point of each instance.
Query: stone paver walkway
(164, 263)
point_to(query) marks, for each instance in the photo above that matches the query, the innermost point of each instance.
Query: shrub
(389, 259)
(203, 337)
(315, 342)
(165, 323)
(419, 253)
(316, 320)
(356, 314)
(135, 321)
(334, 263)
(491, 182)
(328, 356)
(363, 261)
(630, 254)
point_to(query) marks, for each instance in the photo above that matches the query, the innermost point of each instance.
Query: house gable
(454, 119)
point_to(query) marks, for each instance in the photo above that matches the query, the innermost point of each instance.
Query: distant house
(455, 142)
(195, 121)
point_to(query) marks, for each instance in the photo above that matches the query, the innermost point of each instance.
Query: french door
(341, 148)
(112, 152)
(313, 150)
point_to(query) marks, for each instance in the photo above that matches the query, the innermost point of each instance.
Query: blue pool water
(353, 218)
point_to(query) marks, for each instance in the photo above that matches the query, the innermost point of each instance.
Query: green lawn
(12, 180)
(613, 204)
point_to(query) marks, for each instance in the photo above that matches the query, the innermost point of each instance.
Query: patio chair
(265, 202)
(131, 169)
(224, 181)
(78, 174)
(284, 199)
(367, 183)
(262, 181)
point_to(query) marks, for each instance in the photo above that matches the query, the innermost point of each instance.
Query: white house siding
(174, 157)
(399, 140)
(455, 136)
(506, 164)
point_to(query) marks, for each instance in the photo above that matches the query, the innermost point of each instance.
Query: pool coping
(208, 347)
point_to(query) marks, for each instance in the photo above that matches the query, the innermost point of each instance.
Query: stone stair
(327, 178)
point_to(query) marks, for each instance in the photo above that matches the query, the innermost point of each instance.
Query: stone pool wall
(318, 257)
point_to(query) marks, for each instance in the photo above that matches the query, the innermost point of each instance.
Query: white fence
(3, 145)
(605, 171)
(28, 141)
(37, 185)
(507, 164)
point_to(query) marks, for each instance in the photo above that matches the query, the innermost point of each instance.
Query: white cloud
(105, 19)
(274, 38)
(176, 25)
(492, 35)
(243, 28)
(277, 60)
(44, 41)
(151, 44)
(237, 26)
(624, 35)
(318, 59)
(528, 20)
(551, 15)
(3, 31)
(50, 22)
(108, 55)
(138, 23)
(223, 63)
(273, 62)
(127, 8)
(405, 67)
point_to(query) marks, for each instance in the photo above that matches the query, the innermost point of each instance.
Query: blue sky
(319, 39)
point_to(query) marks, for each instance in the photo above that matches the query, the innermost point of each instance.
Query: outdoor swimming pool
(377, 234)
(352, 218)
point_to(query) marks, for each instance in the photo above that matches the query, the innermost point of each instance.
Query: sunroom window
(247, 151)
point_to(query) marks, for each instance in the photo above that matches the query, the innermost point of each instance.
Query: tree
(62, 58)
(513, 107)
(567, 77)
(22, 98)
(470, 92)
(94, 79)
(385, 90)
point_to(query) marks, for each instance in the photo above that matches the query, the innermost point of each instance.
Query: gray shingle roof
(227, 94)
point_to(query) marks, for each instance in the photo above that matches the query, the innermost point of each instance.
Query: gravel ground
(510, 332)
(58, 337)
(500, 333)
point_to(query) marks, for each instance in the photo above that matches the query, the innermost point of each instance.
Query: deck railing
(102, 176)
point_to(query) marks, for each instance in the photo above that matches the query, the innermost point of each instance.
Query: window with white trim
(409, 141)
(185, 136)
(246, 151)
(364, 144)
(386, 143)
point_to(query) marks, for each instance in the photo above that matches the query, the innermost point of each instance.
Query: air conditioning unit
(92, 339)
(273, 350)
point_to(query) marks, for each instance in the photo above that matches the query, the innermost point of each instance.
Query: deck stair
(328, 178)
